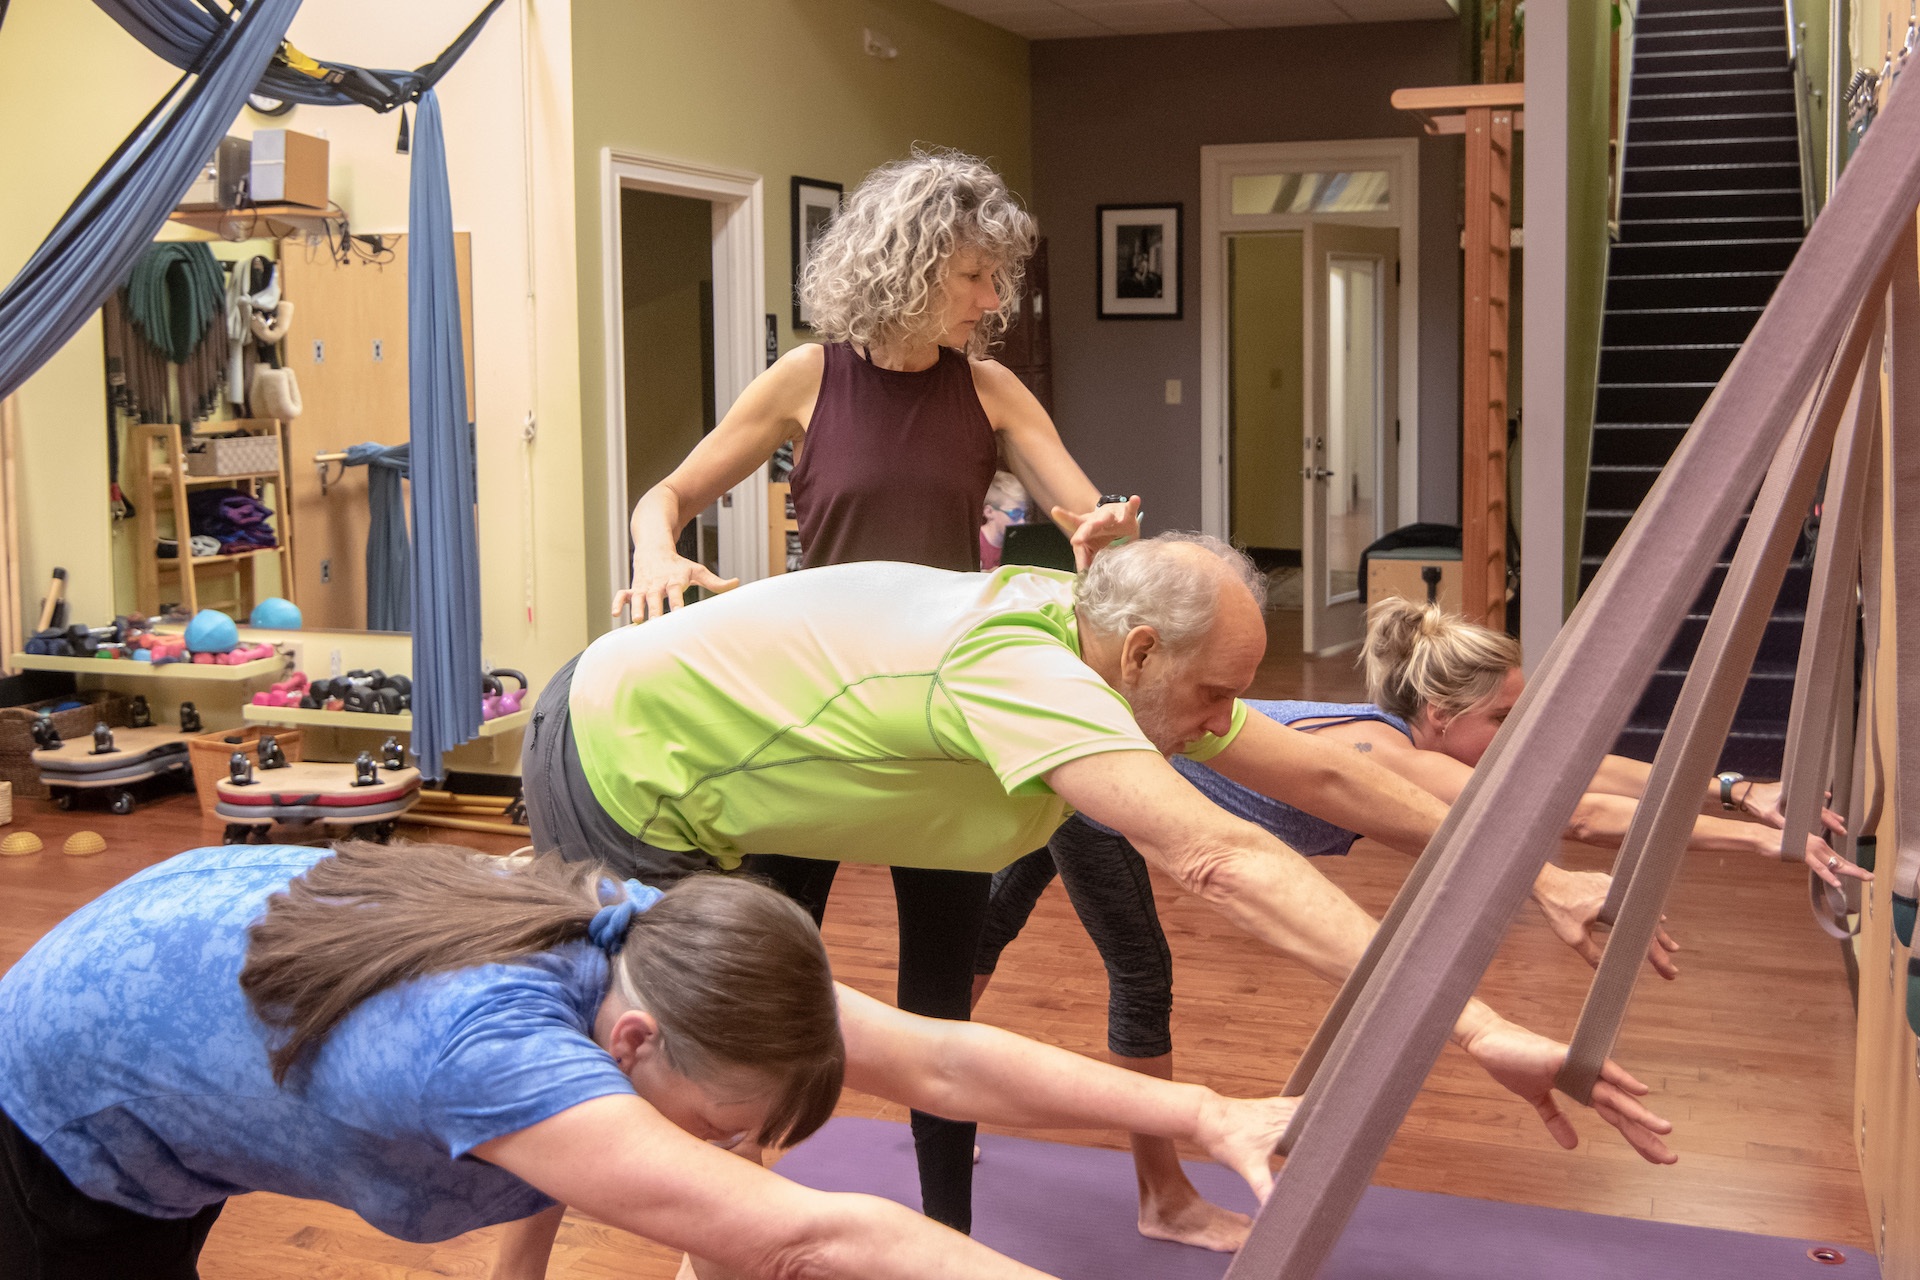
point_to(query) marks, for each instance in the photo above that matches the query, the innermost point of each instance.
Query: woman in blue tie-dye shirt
(441, 1041)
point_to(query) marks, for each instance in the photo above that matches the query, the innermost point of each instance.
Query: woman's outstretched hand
(1100, 528)
(1762, 800)
(1526, 1064)
(1571, 902)
(1826, 864)
(1241, 1134)
(660, 583)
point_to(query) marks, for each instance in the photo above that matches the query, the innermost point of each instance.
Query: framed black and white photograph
(1139, 247)
(814, 205)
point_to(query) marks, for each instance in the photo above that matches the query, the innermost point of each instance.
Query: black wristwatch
(1107, 498)
(1727, 781)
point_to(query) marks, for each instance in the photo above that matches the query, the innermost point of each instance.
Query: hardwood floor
(1750, 1053)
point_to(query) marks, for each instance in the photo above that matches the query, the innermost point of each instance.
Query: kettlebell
(501, 701)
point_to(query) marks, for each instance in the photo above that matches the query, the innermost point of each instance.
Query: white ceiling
(1062, 19)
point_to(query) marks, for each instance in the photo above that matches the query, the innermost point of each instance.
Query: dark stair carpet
(1710, 218)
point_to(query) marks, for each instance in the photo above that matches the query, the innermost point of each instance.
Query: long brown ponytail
(734, 973)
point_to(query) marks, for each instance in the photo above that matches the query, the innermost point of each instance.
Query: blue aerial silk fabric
(446, 553)
(389, 547)
(91, 250)
(179, 31)
(93, 247)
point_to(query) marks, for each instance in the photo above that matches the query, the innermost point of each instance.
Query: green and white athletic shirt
(875, 712)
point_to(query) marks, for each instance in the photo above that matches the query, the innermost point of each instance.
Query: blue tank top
(1314, 837)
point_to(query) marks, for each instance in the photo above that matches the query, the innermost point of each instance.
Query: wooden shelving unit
(122, 668)
(260, 221)
(369, 721)
(162, 484)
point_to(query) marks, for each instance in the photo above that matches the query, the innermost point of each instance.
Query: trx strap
(1823, 688)
(1656, 840)
(1903, 387)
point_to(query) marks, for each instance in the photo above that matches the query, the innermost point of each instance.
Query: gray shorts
(567, 817)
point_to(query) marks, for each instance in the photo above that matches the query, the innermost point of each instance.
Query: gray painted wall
(1122, 120)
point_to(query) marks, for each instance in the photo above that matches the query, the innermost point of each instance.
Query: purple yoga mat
(1070, 1212)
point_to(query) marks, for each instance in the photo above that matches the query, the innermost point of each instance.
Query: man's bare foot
(1196, 1222)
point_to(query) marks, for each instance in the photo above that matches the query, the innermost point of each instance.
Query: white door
(1349, 458)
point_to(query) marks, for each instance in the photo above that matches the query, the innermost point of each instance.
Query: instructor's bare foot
(1196, 1222)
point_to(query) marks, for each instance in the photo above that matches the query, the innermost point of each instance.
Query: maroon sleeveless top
(895, 466)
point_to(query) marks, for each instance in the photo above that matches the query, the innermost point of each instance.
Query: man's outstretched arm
(1271, 892)
(1331, 781)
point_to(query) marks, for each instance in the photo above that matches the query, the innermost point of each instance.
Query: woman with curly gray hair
(899, 415)
(900, 420)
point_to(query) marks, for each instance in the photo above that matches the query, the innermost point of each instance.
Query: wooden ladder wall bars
(1486, 116)
(1801, 398)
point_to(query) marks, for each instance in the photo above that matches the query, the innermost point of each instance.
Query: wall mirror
(241, 451)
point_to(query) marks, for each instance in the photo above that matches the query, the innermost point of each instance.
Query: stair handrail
(1802, 115)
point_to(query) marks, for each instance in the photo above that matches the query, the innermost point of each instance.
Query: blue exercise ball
(276, 612)
(212, 631)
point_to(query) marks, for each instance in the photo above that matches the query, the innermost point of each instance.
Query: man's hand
(1241, 1134)
(1571, 902)
(1098, 529)
(1526, 1064)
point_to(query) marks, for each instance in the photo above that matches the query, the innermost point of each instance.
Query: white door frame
(739, 303)
(1218, 167)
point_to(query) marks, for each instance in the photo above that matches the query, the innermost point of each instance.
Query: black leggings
(941, 914)
(1107, 882)
(51, 1230)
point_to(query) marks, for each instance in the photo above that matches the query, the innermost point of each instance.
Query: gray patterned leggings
(1106, 880)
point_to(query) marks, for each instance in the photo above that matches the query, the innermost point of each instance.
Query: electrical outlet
(1173, 391)
(326, 572)
(319, 351)
(334, 665)
(379, 350)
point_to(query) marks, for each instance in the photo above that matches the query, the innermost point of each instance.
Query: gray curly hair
(876, 273)
(1147, 584)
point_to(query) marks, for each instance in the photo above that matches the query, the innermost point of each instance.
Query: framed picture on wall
(814, 205)
(1140, 259)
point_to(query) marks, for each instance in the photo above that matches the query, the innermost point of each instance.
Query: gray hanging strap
(1663, 822)
(1903, 466)
(1820, 729)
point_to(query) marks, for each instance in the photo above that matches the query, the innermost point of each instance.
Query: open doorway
(666, 307)
(1310, 346)
(1266, 354)
(684, 297)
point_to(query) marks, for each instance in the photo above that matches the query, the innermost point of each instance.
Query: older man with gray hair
(906, 716)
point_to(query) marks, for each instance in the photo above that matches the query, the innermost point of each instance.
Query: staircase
(1710, 218)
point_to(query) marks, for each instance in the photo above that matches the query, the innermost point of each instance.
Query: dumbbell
(371, 698)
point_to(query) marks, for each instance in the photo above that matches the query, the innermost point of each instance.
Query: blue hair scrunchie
(608, 928)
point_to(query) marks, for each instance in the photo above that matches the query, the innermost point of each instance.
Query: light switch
(1173, 391)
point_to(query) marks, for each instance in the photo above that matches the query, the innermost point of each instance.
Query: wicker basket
(16, 734)
(212, 753)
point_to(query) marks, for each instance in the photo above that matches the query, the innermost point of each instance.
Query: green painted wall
(1589, 79)
(777, 88)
